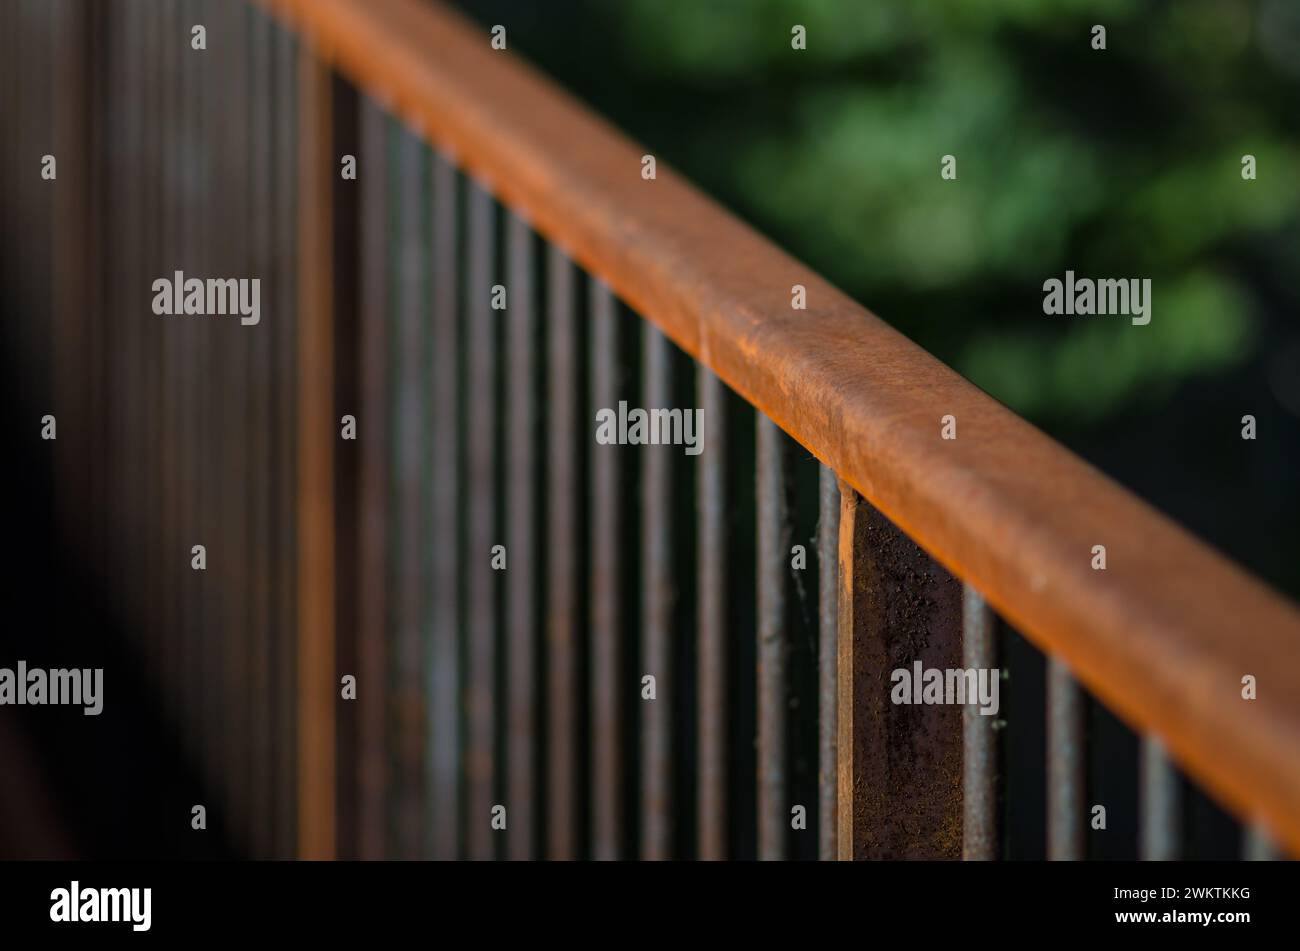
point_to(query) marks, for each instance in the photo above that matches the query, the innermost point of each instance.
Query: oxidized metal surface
(900, 765)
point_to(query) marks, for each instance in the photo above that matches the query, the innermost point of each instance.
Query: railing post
(899, 764)
(317, 686)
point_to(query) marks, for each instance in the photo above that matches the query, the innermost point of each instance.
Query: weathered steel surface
(564, 379)
(828, 567)
(657, 596)
(711, 506)
(445, 708)
(773, 584)
(372, 490)
(1145, 636)
(317, 434)
(1066, 772)
(979, 827)
(1161, 820)
(900, 765)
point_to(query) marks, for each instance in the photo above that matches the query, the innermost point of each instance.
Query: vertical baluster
(712, 587)
(407, 516)
(828, 529)
(444, 689)
(481, 472)
(1161, 804)
(1258, 845)
(521, 614)
(259, 463)
(1065, 764)
(561, 561)
(657, 596)
(773, 641)
(317, 686)
(979, 736)
(373, 442)
(285, 331)
(606, 590)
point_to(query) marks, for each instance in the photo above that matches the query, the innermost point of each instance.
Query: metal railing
(521, 688)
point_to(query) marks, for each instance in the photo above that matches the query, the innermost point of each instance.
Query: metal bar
(711, 520)
(1065, 764)
(482, 528)
(521, 595)
(284, 342)
(900, 763)
(260, 523)
(444, 693)
(828, 532)
(1258, 845)
(373, 443)
(979, 736)
(562, 563)
(317, 686)
(772, 580)
(1161, 817)
(408, 515)
(1145, 635)
(658, 595)
(607, 706)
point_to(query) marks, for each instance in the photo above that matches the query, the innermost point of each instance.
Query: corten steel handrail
(1164, 635)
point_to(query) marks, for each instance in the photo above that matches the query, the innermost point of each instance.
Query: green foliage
(1122, 163)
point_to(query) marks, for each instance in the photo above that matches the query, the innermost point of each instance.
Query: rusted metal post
(1065, 764)
(563, 389)
(711, 510)
(979, 736)
(317, 685)
(828, 542)
(899, 763)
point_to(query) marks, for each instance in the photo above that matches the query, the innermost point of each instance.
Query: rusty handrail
(1164, 635)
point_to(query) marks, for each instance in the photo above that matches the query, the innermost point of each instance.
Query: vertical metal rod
(373, 488)
(1161, 814)
(712, 592)
(286, 373)
(561, 562)
(979, 736)
(1258, 845)
(521, 598)
(773, 641)
(657, 606)
(261, 379)
(1065, 764)
(407, 518)
(828, 531)
(317, 686)
(606, 590)
(482, 528)
(444, 687)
